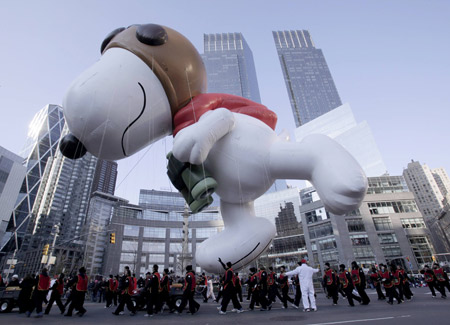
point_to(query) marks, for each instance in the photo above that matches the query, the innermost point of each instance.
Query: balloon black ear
(71, 147)
(151, 34)
(110, 36)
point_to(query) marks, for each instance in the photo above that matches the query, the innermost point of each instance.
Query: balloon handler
(150, 82)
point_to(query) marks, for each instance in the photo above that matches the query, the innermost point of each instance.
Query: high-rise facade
(42, 143)
(12, 173)
(309, 83)
(105, 177)
(230, 67)
(388, 227)
(431, 187)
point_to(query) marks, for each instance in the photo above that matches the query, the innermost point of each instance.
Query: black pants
(109, 297)
(125, 299)
(55, 297)
(350, 296)
(442, 285)
(220, 294)
(77, 302)
(38, 299)
(380, 293)
(229, 293)
(362, 293)
(407, 290)
(204, 293)
(391, 293)
(399, 289)
(239, 293)
(432, 286)
(25, 302)
(254, 299)
(285, 296)
(262, 298)
(188, 297)
(333, 293)
(152, 300)
(165, 298)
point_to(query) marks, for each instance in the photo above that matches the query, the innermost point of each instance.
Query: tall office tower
(96, 230)
(231, 70)
(340, 125)
(229, 66)
(42, 143)
(388, 227)
(430, 188)
(12, 173)
(59, 213)
(308, 79)
(105, 177)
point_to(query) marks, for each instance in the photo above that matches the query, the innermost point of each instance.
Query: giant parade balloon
(150, 82)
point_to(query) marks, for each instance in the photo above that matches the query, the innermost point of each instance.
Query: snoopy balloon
(150, 82)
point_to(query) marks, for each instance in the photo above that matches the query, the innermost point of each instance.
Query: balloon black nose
(71, 147)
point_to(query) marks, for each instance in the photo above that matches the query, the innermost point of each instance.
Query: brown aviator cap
(170, 55)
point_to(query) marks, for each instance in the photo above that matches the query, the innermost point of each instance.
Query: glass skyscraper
(229, 66)
(308, 79)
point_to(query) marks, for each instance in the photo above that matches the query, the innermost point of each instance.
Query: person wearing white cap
(14, 281)
(305, 274)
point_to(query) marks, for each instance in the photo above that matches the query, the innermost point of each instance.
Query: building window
(387, 238)
(316, 215)
(127, 258)
(131, 231)
(128, 245)
(391, 250)
(359, 240)
(205, 232)
(382, 223)
(421, 248)
(330, 256)
(326, 244)
(153, 247)
(322, 230)
(392, 207)
(363, 251)
(155, 258)
(413, 223)
(153, 232)
(355, 225)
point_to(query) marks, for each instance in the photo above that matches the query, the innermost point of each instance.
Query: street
(422, 309)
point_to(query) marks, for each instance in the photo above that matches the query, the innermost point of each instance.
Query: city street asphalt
(422, 309)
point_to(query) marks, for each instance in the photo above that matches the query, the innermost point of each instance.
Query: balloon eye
(110, 36)
(151, 34)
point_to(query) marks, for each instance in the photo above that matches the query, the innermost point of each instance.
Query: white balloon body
(117, 106)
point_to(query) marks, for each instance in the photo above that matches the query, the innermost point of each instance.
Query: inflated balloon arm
(209, 117)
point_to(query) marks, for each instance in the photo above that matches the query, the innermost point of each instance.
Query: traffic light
(45, 250)
(112, 238)
(434, 258)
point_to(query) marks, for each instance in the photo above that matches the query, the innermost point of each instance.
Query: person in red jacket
(111, 288)
(376, 280)
(430, 279)
(80, 284)
(284, 286)
(331, 281)
(188, 293)
(441, 279)
(229, 290)
(359, 281)
(57, 292)
(346, 284)
(126, 287)
(42, 285)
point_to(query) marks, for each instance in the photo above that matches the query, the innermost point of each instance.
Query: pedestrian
(24, 300)
(346, 285)
(220, 293)
(431, 281)
(283, 282)
(126, 288)
(80, 287)
(165, 292)
(229, 290)
(41, 287)
(204, 284)
(57, 292)
(14, 281)
(262, 287)
(112, 285)
(441, 279)
(406, 284)
(210, 289)
(305, 274)
(331, 282)
(388, 282)
(376, 280)
(298, 291)
(238, 286)
(152, 290)
(397, 279)
(359, 281)
(253, 288)
(188, 292)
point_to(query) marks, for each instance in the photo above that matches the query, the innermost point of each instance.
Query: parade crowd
(153, 292)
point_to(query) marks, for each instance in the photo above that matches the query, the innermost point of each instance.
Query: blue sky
(389, 60)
